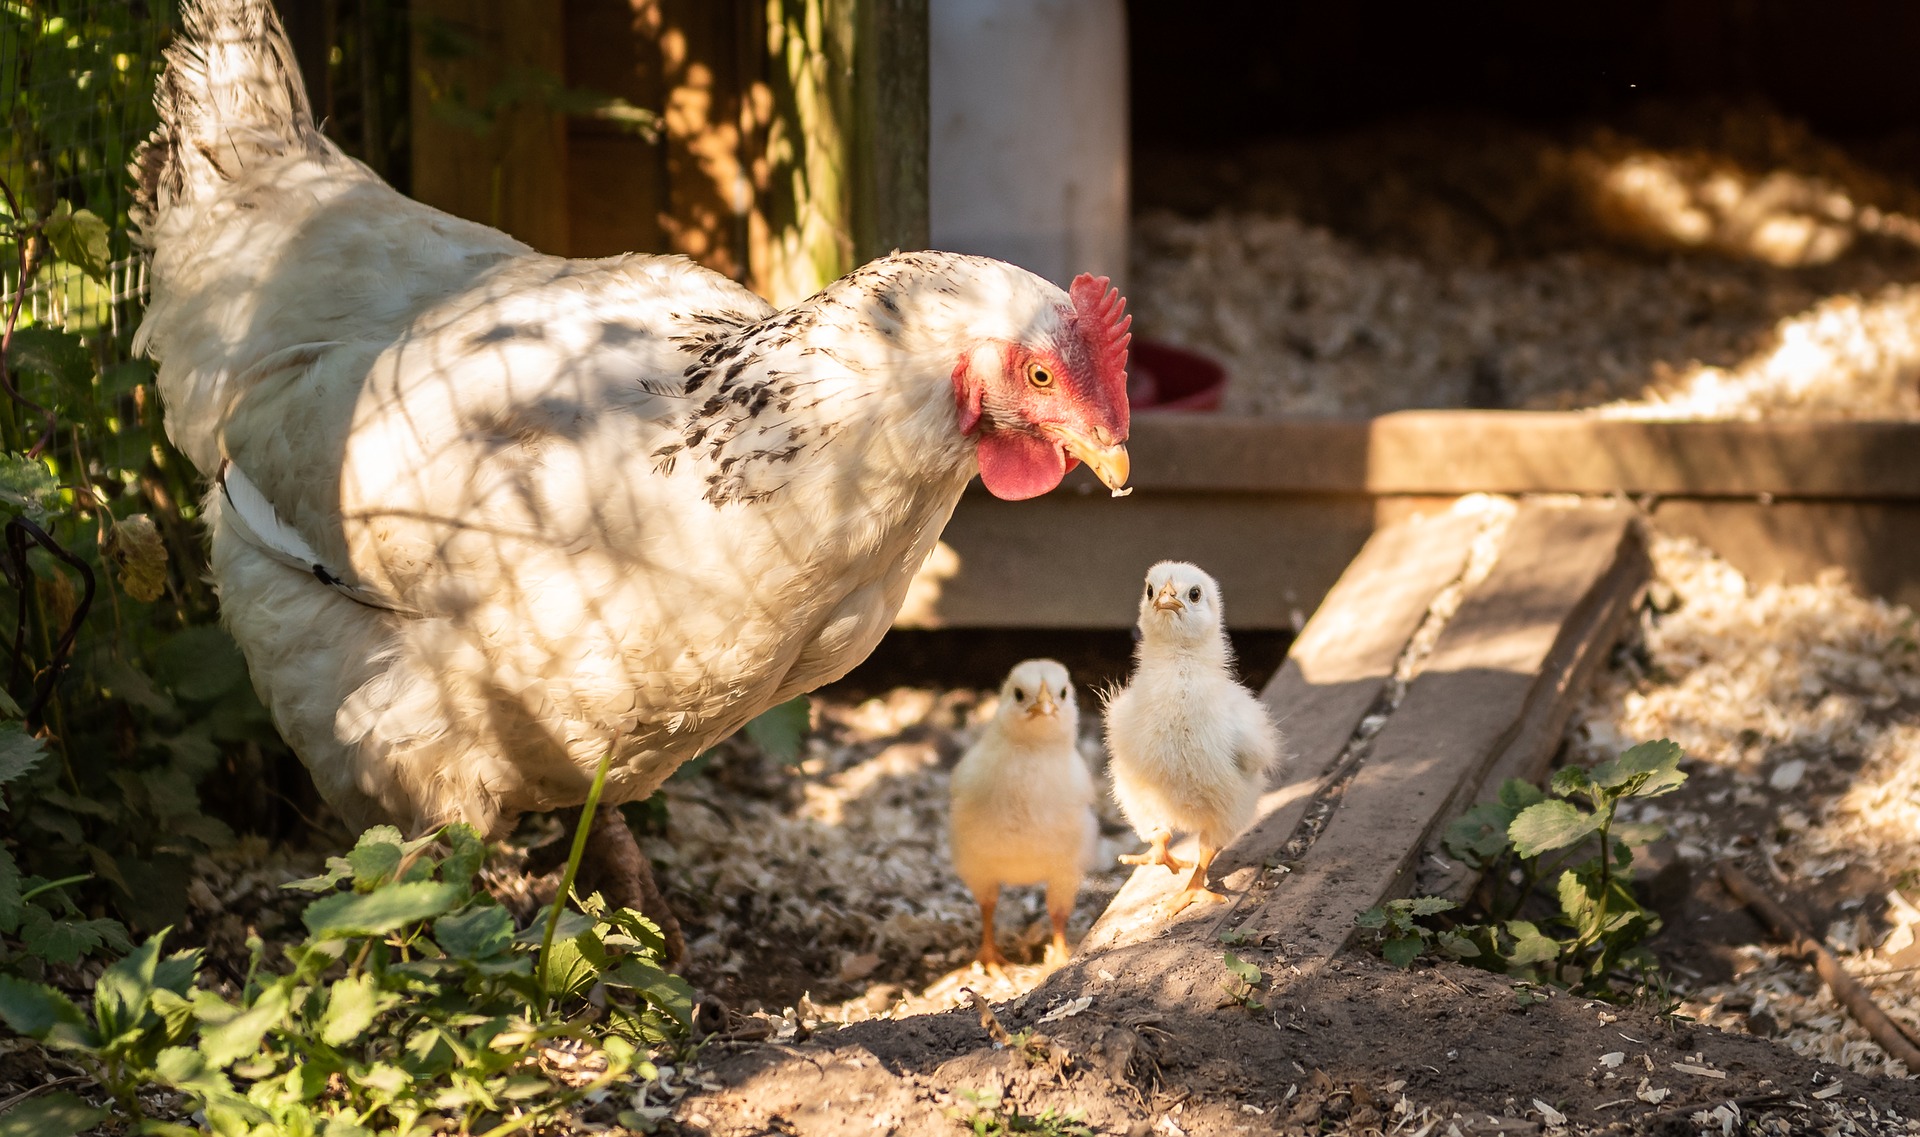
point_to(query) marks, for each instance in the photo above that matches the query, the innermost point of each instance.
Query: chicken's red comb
(1100, 318)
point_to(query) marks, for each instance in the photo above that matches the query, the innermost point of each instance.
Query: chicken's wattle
(1015, 465)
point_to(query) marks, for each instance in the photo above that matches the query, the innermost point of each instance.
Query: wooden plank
(1576, 659)
(1335, 672)
(1458, 452)
(1460, 712)
(889, 160)
(707, 69)
(505, 166)
(1069, 560)
(617, 179)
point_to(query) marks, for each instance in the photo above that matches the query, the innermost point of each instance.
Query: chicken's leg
(1156, 854)
(989, 954)
(1196, 888)
(1059, 908)
(613, 865)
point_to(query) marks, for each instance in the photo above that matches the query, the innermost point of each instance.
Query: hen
(1191, 747)
(1023, 802)
(484, 516)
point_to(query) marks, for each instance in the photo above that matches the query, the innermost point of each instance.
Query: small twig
(19, 531)
(32, 1091)
(989, 1021)
(580, 832)
(1800, 941)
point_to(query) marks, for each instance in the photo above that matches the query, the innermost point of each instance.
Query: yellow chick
(1022, 802)
(1191, 747)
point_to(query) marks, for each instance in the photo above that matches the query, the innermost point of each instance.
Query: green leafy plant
(1245, 982)
(1570, 835)
(413, 1005)
(988, 1114)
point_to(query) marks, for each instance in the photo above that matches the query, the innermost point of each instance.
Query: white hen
(1191, 747)
(489, 515)
(1023, 802)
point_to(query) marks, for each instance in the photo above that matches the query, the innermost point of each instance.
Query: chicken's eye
(1149, 590)
(1063, 692)
(1193, 594)
(1039, 375)
(1019, 696)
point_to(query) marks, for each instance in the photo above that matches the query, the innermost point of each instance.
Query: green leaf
(1456, 945)
(352, 1004)
(79, 237)
(1517, 794)
(1425, 905)
(58, 355)
(468, 851)
(20, 752)
(376, 857)
(1576, 904)
(1650, 769)
(12, 899)
(27, 484)
(1245, 972)
(34, 1009)
(1401, 951)
(134, 546)
(1570, 780)
(58, 1114)
(200, 663)
(1480, 834)
(224, 1043)
(1530, 946)
(782, 731)
(1372, 919)
(121, 993)
(64, 941)
(1550, 825)
(481, 932)
(383, 910)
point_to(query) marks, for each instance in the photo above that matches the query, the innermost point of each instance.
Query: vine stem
(579, 850)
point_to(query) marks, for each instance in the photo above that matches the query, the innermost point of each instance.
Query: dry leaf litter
(1704, 264)
(1799, 709)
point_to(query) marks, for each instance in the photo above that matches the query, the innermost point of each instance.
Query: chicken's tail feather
(230, 98)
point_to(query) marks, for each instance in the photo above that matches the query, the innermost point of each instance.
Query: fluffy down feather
(1191, 747)
(493, 514)
(1023, 801)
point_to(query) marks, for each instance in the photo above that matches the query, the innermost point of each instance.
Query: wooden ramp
(1425, 678)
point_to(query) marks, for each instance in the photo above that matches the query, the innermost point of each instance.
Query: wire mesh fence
(76, 90)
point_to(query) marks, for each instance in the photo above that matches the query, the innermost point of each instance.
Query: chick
(1191, 747)
(1023, 802)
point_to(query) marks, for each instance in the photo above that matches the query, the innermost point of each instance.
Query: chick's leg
(1196, 888)
(1156, 853)
(989, 955)
(1059, 909)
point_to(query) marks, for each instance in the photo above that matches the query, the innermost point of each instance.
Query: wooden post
(487, 144)
(843, 170)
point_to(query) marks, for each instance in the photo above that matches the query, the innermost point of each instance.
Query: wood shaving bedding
(1799, 704)
(1718, 265)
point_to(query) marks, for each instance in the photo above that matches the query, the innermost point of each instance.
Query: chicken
(482, 516)
(1023, 802)
(1191, 748)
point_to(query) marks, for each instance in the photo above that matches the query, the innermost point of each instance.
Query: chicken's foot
(1058, 910)
(613, 865)
(1156, 854)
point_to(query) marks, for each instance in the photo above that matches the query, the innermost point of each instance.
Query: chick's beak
(1043, 704)
(1169, 599)
(1108, 462)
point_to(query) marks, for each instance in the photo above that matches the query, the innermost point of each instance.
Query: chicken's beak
(1109, 463)
(1043, 704)
(1168, 600)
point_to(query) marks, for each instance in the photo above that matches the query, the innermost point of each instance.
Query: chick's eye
(1019, 696)
(1039, 375)
(1193, 594)
(1149, 590)
(1063, 692)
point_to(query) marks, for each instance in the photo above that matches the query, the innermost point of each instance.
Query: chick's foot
(1156, 854)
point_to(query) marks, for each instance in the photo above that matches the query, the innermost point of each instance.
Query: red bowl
(1161, 377)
